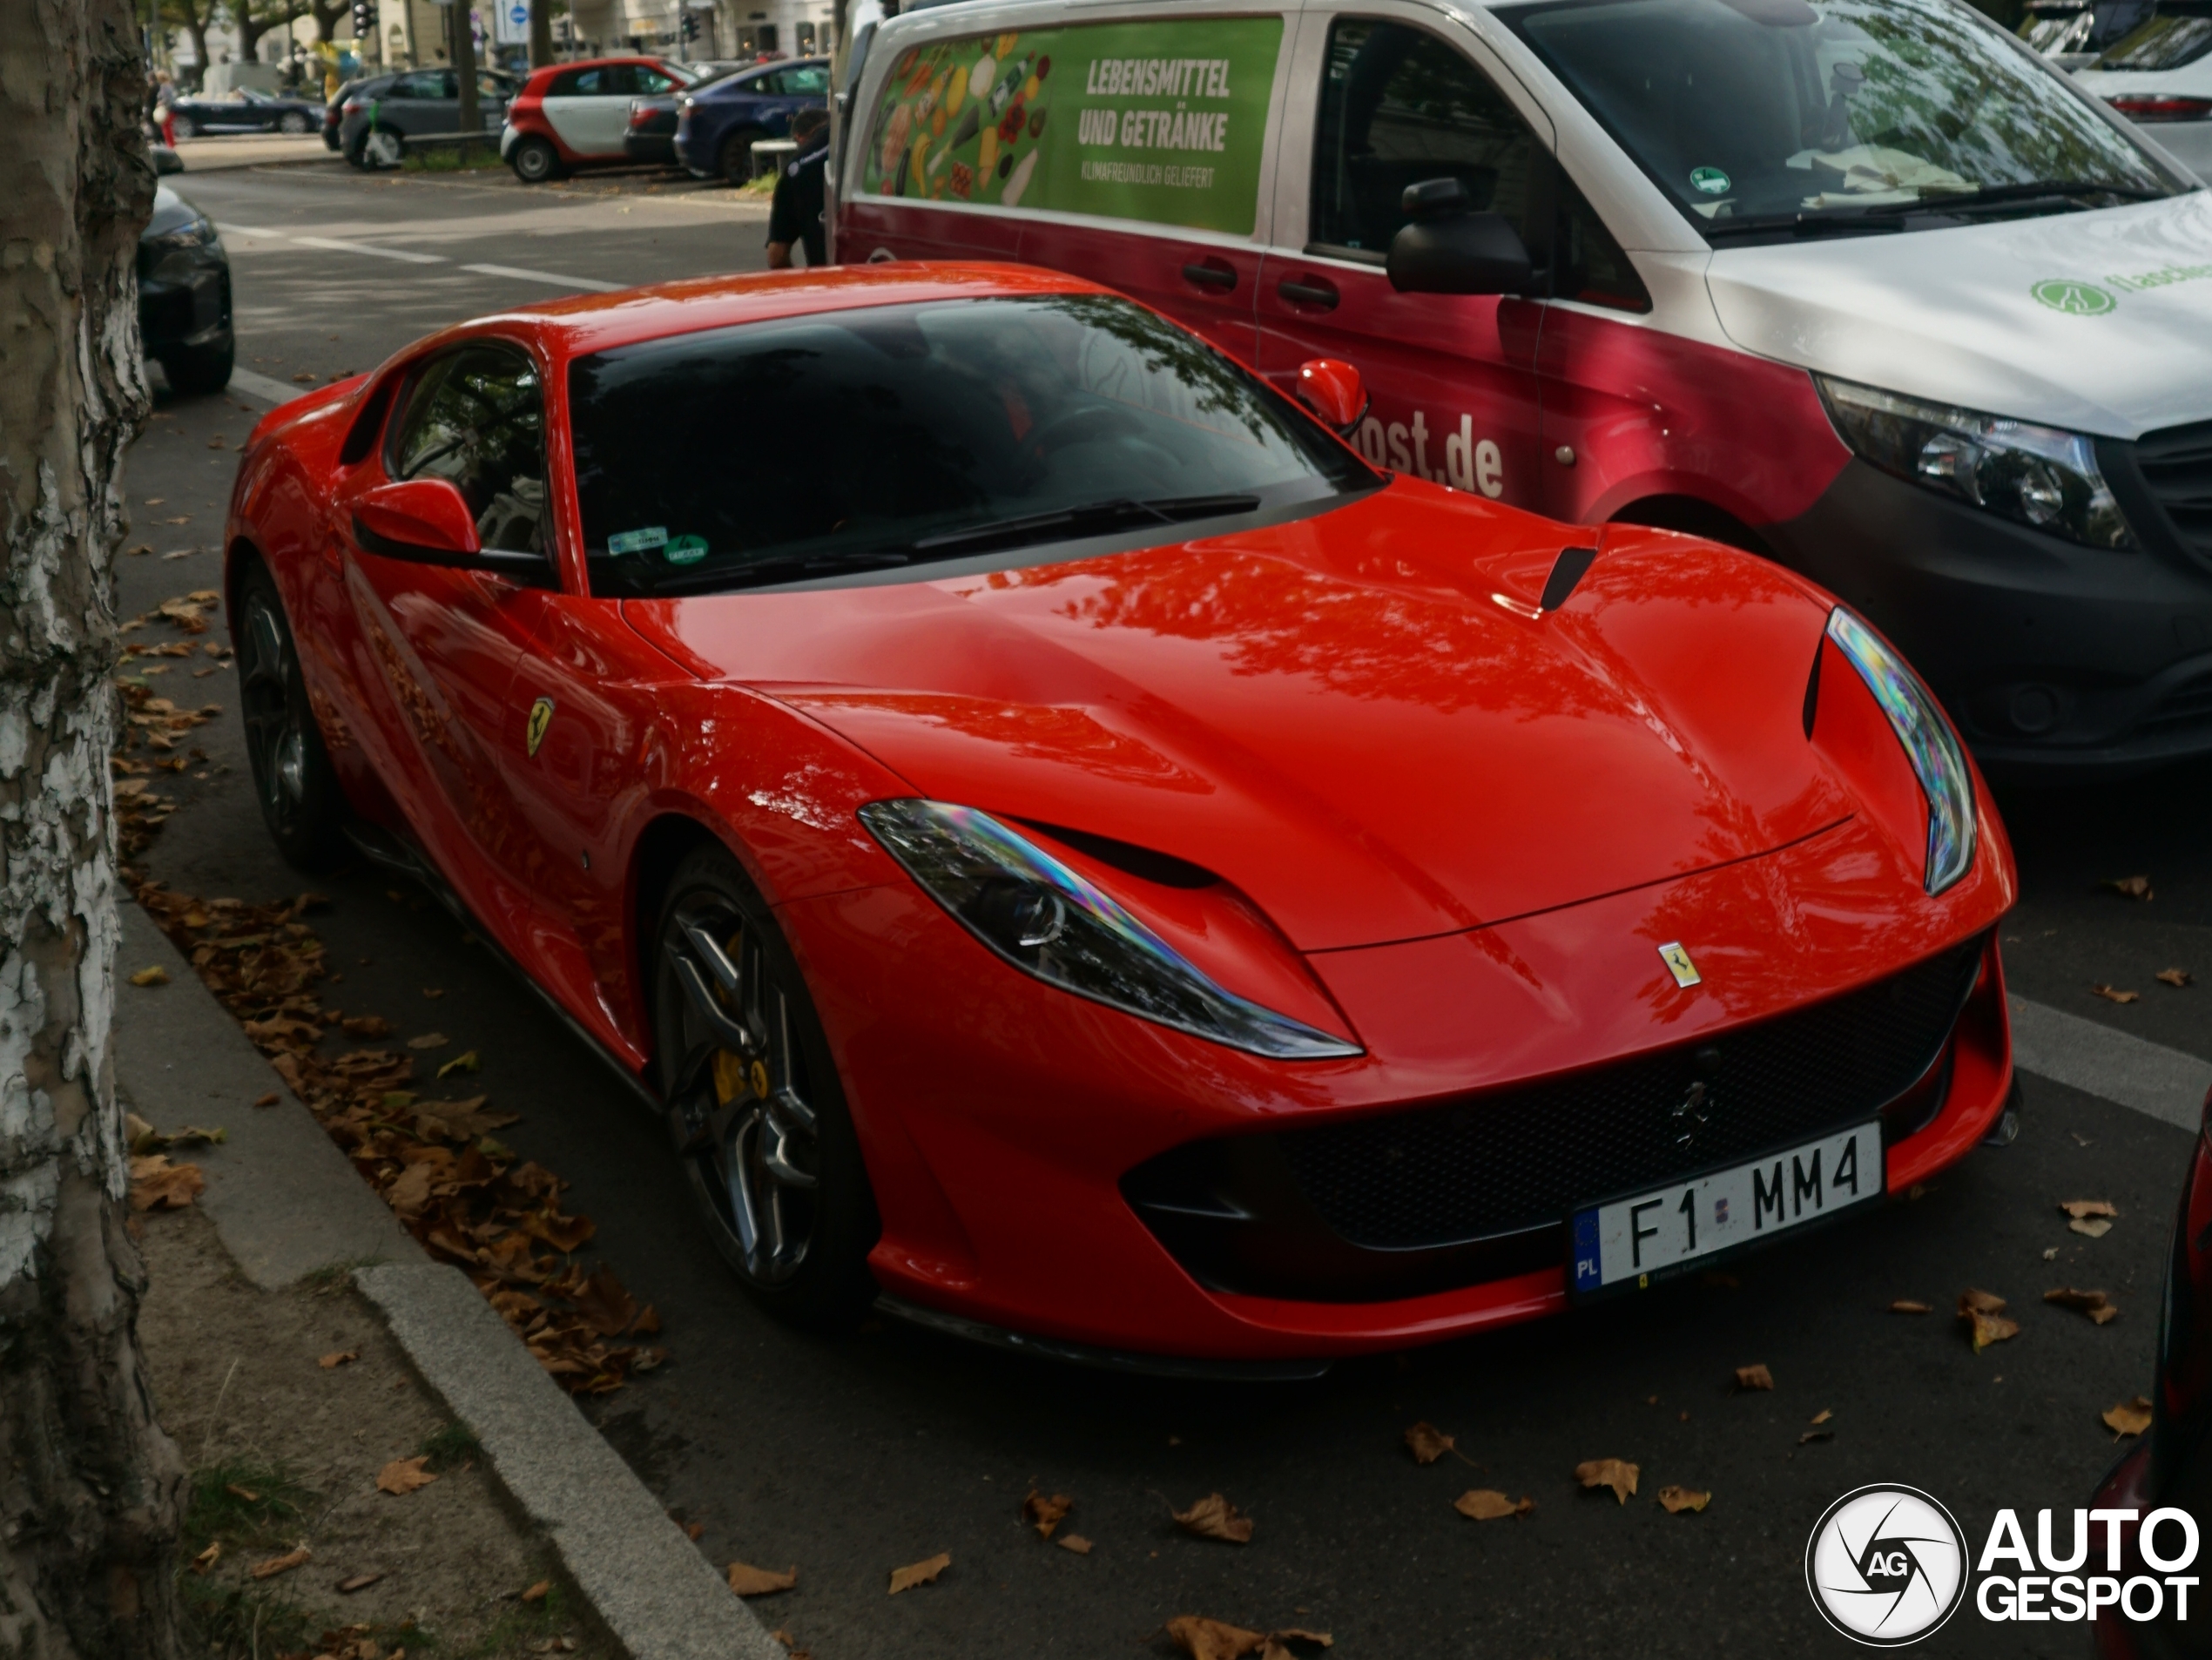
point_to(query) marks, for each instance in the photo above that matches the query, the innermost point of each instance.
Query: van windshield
(1789, 117)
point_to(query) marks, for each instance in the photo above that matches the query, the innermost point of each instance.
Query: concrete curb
(648, 1584)
(286, 1202)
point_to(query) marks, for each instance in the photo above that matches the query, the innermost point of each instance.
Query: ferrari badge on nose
(1676, 959)
(542, 717)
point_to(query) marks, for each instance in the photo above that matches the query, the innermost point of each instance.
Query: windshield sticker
(686, 551)
(1167, 127)
(638, 541)
(2077, 299)
(1712, 180)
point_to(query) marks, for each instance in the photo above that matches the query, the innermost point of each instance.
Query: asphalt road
(851, 1457)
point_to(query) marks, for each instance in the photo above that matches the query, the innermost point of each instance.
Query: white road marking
(247, 229)
(2087, 1054)
(266, 388)
(521, 275)
(336, 246)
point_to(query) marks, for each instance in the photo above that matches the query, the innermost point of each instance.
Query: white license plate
(1631, 1241)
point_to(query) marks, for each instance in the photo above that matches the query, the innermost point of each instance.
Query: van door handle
(1309, 291)
(1211, 273)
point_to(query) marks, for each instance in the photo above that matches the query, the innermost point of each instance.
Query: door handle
(1309, 291)
(1217, 274)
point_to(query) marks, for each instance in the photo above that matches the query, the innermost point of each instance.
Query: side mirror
(1332, 389)
(426, 521)
(1446, 249)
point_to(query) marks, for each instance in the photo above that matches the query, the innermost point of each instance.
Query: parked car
(1105, 861)
(575, 115)
(413, 103)
(1954, 375)
(650, 135)
(2072, 33)
(244, 111)
(2160, 78)
(716, 126)
(334, 114)
(185, 295)
(2170, 1467)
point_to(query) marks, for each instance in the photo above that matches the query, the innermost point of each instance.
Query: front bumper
(2055, 660)
(1000, 1119)
(184, 302)
(507, 134)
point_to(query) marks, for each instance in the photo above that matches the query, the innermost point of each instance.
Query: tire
(292, 122)
(734, 160)
(756, 1111)
(535, 161)
(302, 802)
(182, 126)
(377, 150)
(193, 371)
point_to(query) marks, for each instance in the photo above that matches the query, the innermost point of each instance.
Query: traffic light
(364, 18)
(690, 25)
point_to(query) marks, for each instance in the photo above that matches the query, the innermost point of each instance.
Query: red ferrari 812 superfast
(1076, 855)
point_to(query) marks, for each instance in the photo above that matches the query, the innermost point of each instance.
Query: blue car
(716, 126)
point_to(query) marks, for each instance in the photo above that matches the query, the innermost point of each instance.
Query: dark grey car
(415, 102)
(185, 295)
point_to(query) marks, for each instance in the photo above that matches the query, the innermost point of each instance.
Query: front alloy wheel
(299, 797)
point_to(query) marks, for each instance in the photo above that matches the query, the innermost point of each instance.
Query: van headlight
(1046, 920)
(2040, 476)
(1930, 744)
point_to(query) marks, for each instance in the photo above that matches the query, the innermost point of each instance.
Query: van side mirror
(426, 521)
(1333, 390)
(1448, 249)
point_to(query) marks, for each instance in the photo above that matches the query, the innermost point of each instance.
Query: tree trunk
(464, 68)
(541, 33)
(89, 1484)
(326, 20)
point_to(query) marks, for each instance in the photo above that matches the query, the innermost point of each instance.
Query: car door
(1452, 376)
(422, 101)
(592, 111)
(443, 642)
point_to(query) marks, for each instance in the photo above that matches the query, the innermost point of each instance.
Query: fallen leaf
(430, 1039)
(606, 1307)
(337, 1358)
(367, 1026)
(695, 1531)
(1984, 1313)
(2078, 1208)
(1906, 1305)
(2111, 997)
(536, 1593)
(156, 1184)
(467, 1061)
(283, 1564)
(2094, 1303)
(208, 1558)
(1615, 1472)
(920, 1573)
(1815, 1435)
(2093, 1227)
(1045, 1514)
(403, 1475)
(1675, 1500)
(2129, 887)
(358, 1583)
(1754, 1377)
(2177, 977)
(2052, 1255)
(2130, 1417)
(1488, 1504)
(269, 1100)
(1205, 1639)
(156, 975)
(1427, 1442)
(1275, 1645)
(1821, 1416)
(748, 1581)
(245, 1492)
(1074, 1541)
(1214, 1517)
(434, 992)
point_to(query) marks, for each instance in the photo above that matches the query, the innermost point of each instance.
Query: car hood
(2094, 321)
(170, 212)
(1363, 719)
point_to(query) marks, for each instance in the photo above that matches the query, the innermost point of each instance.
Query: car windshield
(2163, 42)
(901, 434)
(1780, 113)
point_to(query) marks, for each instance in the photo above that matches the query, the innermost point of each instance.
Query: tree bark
(253, 21)
(197, 19)
(462, 17)
(541, 33)
(89, 1484)
(327, 18)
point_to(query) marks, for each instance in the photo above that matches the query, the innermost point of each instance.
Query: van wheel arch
(1692, 516)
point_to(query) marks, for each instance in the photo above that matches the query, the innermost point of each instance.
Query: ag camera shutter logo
(1886, 1565)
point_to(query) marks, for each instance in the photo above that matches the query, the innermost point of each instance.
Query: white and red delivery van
(1863, 284)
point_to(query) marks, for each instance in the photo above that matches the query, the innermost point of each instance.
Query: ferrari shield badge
(542, 717)
(1678, 963)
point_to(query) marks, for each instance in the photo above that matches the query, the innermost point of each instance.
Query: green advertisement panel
(1159, 120)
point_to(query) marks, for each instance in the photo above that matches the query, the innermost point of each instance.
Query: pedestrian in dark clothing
(795, 214)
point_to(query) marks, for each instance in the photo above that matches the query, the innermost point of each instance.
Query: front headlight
(1048, 920)
(1930, 744)
(197, 234)
(2036, 475)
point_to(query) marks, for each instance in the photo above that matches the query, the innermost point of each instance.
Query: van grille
(2176, 468)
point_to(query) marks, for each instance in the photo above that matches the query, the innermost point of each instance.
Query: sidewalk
(296, 1259)
(219, 151)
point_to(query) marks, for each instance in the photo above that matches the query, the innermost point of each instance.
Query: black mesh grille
(2176, 467)
(1522, 1159)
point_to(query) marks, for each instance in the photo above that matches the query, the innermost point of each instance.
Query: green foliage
(450, 1448)
(239, 1501)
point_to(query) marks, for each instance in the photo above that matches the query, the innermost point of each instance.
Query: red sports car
(1077, 854)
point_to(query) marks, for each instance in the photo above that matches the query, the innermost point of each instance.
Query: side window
(764, 86)
(476, 416)
(806, 81)
(424, 84)
(1398, 106)
(652, 81)
(579, 84)
(618, 80)
(1593, 266)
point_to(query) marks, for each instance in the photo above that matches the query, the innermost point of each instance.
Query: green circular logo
(2080, 298)
(1710, 180)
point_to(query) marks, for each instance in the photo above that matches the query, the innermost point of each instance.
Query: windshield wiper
(1030, 527)
(789, 568)
(1851, 221)
(2035, 190)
